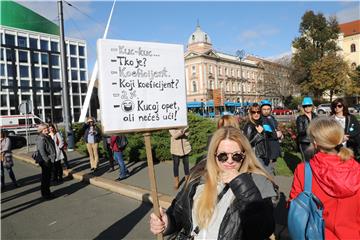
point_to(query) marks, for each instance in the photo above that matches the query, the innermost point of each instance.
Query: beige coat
(180, 146)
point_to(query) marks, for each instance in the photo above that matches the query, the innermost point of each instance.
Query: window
(353, 48)
(193, 70)
(83, 87)
(82, 63)
(3, 101)
(74, 75)
(56, 86)
(37, 121)
(44, 59)
(12, 100)
(25, 97)
(353, 66)
(9, 55)
(54, 46)
(81, 51)
(33, 43)
(227, 87)
(35, 57)
(57, 100)
(2, 70)
(55, 60)
(211, 84)
(9, 40)
(75, 87)
(36, 71)
(9, 70)
(82, 76)
(2, 54)
(24, 71)
(72, 49)
(23, 56)
(55, 73)
(38, 100)
(73, 62)
(44, 45)
(194, 89)
(47, 99)
(25, 83)
(220, 71)
(76, 100)
(45, 72)
(22, 41)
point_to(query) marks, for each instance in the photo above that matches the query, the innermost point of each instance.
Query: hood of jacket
(337, 178)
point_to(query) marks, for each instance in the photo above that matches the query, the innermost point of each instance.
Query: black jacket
(97, 135)
(46, 148)
(352, 128)
(248, 217)
(258, 141)
(302, 123)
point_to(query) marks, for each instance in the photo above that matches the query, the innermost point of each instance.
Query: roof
(350, 28)
(199, 36)
(17, 16)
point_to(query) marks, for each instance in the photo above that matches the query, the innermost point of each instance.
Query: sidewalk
(137, 186)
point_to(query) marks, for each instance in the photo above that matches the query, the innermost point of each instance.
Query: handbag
(8, 162)
(37, 157)
(305, 219)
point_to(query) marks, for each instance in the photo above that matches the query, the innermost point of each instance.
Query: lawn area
(286, 165)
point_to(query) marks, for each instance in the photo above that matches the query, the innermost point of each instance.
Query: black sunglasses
(253, 112)
(339, 106)
(305, 106)
(236, 156)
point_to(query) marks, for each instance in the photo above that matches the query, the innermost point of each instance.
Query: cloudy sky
(265, 28)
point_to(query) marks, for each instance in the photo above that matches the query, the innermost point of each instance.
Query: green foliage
(317, 39)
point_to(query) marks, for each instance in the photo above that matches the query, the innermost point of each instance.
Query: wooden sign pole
(153, 185)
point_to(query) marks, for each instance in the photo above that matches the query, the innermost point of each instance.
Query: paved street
(81, 211)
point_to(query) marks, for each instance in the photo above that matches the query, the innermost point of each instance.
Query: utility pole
(67, 113)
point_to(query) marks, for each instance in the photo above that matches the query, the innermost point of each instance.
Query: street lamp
(240, 55)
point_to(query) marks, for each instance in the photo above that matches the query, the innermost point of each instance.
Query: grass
(286, 164)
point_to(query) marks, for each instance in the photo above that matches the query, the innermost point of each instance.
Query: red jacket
(337, 185)
(114, 147)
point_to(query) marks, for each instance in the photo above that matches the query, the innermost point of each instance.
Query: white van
(16, 124)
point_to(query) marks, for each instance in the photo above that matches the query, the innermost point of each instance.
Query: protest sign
(141, 86)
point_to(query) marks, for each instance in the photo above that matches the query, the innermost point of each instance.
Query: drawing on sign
(146, 83)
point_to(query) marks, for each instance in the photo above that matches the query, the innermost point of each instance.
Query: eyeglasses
(236, 156)
(339, 106)
(306, 106)
(255, 112)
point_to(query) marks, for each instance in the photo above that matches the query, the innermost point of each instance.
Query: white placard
(141, 86)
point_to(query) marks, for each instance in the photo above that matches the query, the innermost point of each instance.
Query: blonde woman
(235, 177)
(335, 179)
(228, 121)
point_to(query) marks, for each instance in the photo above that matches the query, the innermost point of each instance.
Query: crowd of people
(231, 194)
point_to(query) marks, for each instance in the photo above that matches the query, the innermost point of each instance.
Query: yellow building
(349, 42)
(213, 75)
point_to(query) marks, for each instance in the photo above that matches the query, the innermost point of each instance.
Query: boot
(176, 183)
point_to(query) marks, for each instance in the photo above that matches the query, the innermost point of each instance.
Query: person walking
(335, 179)
(118, 144)
(222, 200)
(180, 148)
(59, 143)
(6, 159)
(46, 148)
(340, 112)
(302, 123)
(108, 154)
(255, 133)
(92, 138)
(270, 126)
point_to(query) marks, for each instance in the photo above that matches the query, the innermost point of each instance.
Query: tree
(317, 39)
(330, 74)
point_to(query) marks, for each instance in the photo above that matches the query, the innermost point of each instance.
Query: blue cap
(307, 101)
(265, 102)
(267, 128)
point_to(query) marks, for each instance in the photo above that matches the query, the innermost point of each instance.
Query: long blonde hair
(205, 203)
(327, 133)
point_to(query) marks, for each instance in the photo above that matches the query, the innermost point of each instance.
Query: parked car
(16, 124)
(282, 111)
(324, 108)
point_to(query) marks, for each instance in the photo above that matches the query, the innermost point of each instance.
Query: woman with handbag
(229, 198)
(6, 159)
(335, 179)
(59, 144)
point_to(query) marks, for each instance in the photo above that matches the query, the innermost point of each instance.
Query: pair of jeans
(176, 160)
(58, 171)
(118, 156)
(11, 175)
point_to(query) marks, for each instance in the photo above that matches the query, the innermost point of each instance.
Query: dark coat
(46, 148)
(273, 140)
(97, 136)
(302, 123)
(352, 128)
(258, 141)
(248, 217)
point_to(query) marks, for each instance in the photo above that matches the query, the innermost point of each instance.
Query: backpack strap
(308, 177)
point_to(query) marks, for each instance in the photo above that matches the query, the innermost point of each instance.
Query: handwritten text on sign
(142, 85)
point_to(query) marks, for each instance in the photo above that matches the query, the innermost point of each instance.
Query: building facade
(30, 65)
(209, 72)
(349, 42)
